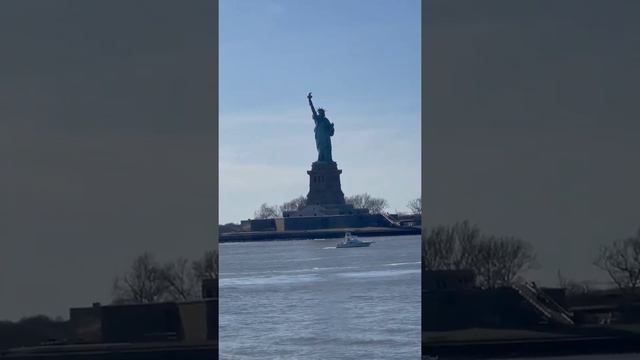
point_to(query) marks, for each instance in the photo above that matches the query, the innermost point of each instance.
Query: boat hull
(364, 244)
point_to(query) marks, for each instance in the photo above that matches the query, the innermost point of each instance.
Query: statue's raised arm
(313, 110)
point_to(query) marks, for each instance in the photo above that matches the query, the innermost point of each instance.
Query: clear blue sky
(361, 60)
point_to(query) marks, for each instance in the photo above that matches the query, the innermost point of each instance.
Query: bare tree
(366, 201)
(498, 260)
(184, 281)
(143, 283)
(450, 247)
(181, 282)
(573, 287)
(294, 204)
(148, 281)
(415, 206)
(356, 200)
(266, 212)
(206, 267)
(621, 260)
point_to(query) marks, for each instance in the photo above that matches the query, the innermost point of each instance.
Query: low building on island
(452, 301)
(167, 330)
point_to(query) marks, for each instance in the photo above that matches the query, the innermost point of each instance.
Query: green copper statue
(324, 131)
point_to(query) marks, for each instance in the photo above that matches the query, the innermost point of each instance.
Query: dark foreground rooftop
(118, 351)
(538, 347)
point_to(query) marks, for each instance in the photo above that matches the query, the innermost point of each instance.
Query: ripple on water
(379, 273)
(269, 280)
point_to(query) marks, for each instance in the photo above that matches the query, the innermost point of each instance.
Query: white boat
(352, 241)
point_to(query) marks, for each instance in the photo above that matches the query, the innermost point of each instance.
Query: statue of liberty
(324, 131)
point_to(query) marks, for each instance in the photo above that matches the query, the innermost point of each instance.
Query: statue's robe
(323, 131)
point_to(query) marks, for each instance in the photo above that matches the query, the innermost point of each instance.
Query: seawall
(316, 234)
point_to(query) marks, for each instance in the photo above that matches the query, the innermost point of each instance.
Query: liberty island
(325, 213)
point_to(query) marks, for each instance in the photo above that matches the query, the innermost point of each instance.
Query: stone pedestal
(325, 197)
(324, 184)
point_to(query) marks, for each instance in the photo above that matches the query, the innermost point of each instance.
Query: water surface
(305, 299)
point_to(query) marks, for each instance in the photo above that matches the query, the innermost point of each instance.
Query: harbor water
(305, 299)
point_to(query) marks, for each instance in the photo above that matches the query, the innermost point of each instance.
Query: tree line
(498, 260)
(33, 330)
(620, 259)
(375, 205)
(148, 280)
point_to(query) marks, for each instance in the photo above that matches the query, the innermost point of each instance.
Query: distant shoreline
(315, 234)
